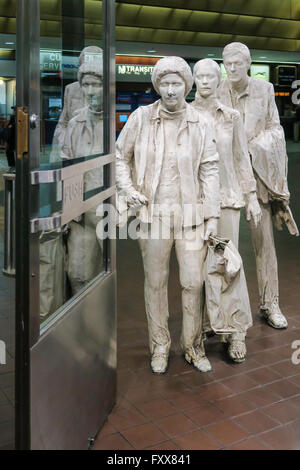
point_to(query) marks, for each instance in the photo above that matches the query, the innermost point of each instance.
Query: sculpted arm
(209, 178)
(244, 170)
(124, 160)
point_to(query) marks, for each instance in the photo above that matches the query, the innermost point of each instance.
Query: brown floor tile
(112, 442)
(176, 425)
(106, 430)
(205, 414)
(167, 445)
(239, 383)
(283, 438)
(261, 397)
(284, 388)
(215, 391)
(187, 400)
(283, 412)
(226, 432)
(171, 387)
(156, 409)
(250, 444)
(234, 406)
(268, 357)
(144, 436)
(123, 418)
(296, 379)
(142, 394)
(264, 375)
(196, 378)
(256, 422)
(286, 368)
(197, 440)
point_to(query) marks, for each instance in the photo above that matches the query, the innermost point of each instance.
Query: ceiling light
(151, 51)
(211, 55)
(9, 43)
(263, 57)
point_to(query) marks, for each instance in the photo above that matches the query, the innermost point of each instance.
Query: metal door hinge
(22, 131)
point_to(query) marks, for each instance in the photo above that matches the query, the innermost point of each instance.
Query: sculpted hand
(135, 198)
(253, 210)
(211, 226)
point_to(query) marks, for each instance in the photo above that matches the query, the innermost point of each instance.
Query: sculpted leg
(191, 263)
(156, 256)
(266, 267)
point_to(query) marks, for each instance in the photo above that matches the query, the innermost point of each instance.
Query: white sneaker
(274, 316)
(159, 363)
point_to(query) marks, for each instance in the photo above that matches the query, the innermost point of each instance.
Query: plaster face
(236, 67)
(172, 91)
(206, 80)
(92, 88)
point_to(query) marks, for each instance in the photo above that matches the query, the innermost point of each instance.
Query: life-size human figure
(73, 101)
(166, 158)
(237, 183)
(84, 137)
(255, 101)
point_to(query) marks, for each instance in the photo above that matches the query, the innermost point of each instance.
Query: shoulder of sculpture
(260, 85)
(72, 88)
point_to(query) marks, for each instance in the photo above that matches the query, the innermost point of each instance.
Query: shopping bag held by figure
(227, 300)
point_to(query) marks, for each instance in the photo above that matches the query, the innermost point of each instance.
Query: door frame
(29, 339)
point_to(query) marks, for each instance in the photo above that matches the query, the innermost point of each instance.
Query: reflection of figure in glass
(84, 137)
(73, 101)
(166, 158)
(255, 101)
(10, 142)
(237, 183)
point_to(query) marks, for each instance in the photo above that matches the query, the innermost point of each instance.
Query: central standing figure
(167, 169)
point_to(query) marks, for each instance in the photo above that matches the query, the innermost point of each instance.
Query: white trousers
(156, 257)
(265, 254)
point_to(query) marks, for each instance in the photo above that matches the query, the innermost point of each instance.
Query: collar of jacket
(191, 114)
(246, 92)
(198, 103)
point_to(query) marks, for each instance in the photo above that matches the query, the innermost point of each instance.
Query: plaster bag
(52, 271)
(227, 301)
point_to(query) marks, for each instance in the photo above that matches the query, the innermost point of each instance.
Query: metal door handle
(22, 135)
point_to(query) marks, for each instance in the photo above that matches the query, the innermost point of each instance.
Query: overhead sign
(134, 72)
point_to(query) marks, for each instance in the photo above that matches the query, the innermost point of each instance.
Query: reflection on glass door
(72, 131)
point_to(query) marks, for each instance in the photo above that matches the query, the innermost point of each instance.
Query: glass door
(65, 268)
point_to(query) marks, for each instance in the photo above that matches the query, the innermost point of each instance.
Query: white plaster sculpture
(83, 137)
(237, 183)
(73, 101)
(255, 101)
(166, 158)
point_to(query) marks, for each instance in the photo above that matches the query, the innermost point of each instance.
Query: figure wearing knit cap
(167, 171)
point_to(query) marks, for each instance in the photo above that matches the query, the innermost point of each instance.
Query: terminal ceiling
(261, 24)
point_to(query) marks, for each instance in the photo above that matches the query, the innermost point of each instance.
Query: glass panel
(72, 131)
(7, 265)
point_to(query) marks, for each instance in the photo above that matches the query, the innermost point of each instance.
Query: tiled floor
(254, 405)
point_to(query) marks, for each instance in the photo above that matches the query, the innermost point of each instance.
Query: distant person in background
(10, 142)
(73, 102)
